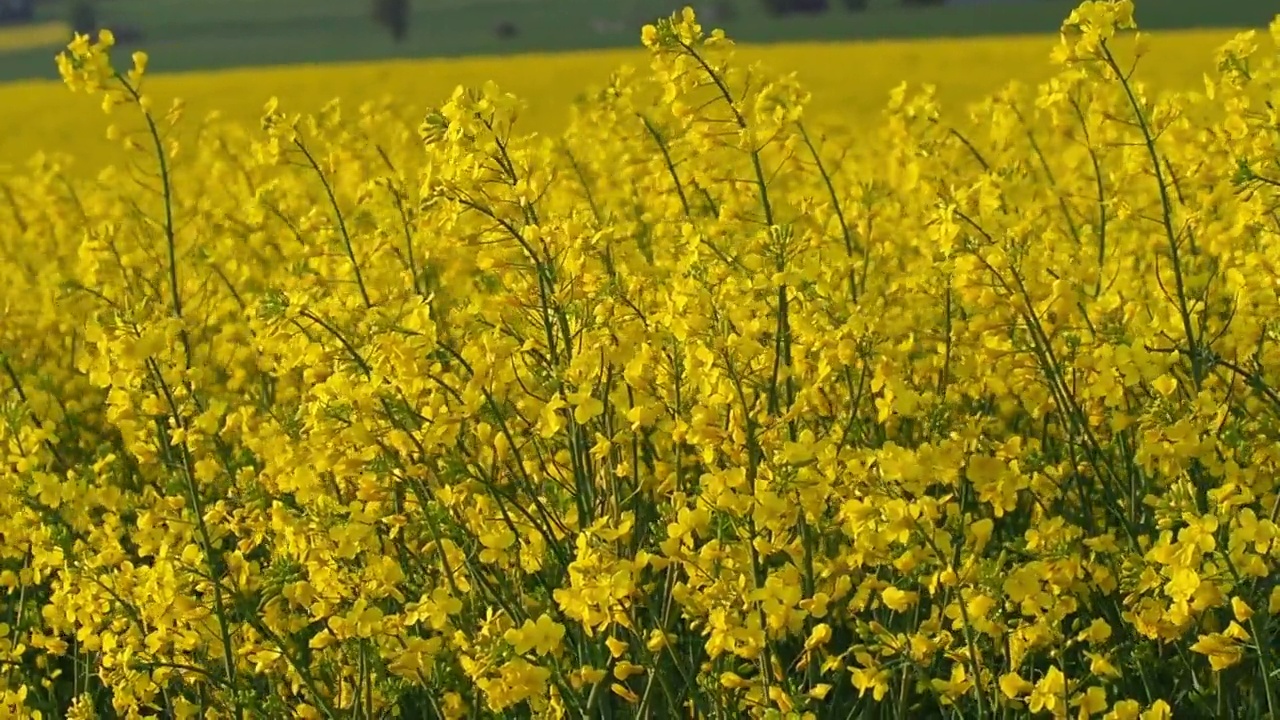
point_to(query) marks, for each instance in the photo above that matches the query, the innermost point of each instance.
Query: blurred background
(213, 34)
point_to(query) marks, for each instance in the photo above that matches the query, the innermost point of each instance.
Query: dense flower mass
(699, 409)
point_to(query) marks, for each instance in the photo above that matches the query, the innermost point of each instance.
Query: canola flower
(699, 409)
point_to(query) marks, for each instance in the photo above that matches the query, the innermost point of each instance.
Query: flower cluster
(698, 409)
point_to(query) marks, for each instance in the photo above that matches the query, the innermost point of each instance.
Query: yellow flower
(958, 684)
(1102, 666)
(819, 636)
(1049, 693)
(870, 676)
(624, 692)
(624, 670)
(1182, 584)
(586, 409)
(897, 600)
(649, 36)
(1159, 710)
(587, 676)
(1222, 650)
(543, 637)
(1241, 609)
(1124, 710)
(1013, 685)
(1166, 385)
(820, 691)
(1097, 633)
(616, 647)
(1093, 701)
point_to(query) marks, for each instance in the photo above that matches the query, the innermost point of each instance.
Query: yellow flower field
(704, 406)
(26, 37)
(850, 83)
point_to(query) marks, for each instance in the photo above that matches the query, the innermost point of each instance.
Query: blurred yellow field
(26, 37)
(849, 82)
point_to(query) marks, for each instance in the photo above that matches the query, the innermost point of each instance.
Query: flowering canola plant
(699, 409)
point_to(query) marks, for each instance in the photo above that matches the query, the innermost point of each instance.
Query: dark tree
(718, 11)
(505, 30)
(17, 11)
(795, 7)
(83, 16)
(394, 16)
